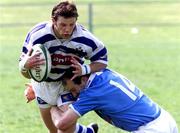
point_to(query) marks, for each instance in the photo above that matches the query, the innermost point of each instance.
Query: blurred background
(143, 41)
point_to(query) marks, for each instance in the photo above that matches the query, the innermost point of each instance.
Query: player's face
(75, 88)
(69, 85)
(63, 27)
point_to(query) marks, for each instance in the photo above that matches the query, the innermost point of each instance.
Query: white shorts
(47, 93)
(163, 124)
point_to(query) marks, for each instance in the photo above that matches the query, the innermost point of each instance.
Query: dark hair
(69, 74)
(64, 9)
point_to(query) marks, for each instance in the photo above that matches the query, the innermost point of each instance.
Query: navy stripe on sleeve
(33, 31)
(24, 50)
(85, 41)
(43, 39)
(100, 55)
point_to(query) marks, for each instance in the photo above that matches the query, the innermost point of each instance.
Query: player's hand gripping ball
(41, 72)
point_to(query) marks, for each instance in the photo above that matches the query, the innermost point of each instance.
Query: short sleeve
(83, 105)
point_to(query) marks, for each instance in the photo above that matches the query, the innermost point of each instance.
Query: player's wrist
(86, 69)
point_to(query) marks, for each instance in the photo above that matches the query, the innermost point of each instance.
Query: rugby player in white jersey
(67, 42)
(115, 99)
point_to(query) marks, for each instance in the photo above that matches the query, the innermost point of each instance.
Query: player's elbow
(61, 125)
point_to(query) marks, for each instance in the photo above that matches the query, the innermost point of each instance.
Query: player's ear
(84, 80)
(53, 21)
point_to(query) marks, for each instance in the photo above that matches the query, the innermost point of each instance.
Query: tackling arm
(96, 52)
(92, 67)
(64, 120)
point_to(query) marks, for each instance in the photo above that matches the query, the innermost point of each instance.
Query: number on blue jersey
(130, 90)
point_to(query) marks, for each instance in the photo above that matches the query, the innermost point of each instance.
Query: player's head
(77, 83)
(64, 9)
(64, 16)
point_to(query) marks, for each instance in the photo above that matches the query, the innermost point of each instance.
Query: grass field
(150, 57)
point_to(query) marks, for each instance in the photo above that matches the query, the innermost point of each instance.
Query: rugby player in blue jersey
(115, 99)
(67, 41)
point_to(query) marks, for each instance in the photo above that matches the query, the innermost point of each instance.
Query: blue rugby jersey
(117, 100)
(82, 45)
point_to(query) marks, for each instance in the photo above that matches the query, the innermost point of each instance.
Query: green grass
(150, 58)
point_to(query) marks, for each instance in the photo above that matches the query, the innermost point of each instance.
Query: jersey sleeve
(94, 49)
(25, 51)
(97, 51)
(99, 54)
(29, 40)
(83, 105)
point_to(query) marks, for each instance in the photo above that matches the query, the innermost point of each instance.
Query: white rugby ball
(41, 72)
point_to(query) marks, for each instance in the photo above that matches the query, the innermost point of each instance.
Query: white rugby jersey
(82, 45)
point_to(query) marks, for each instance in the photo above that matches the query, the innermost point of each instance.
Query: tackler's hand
(29, 93)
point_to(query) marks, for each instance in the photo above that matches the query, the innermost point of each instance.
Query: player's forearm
(23, 70)
(26, 74)
(63, 120)
(97, 66)
(56, 115)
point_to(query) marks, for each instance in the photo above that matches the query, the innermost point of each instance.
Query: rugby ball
(41, 72)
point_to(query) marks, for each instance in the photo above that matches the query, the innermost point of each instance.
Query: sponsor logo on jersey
(58, 59)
